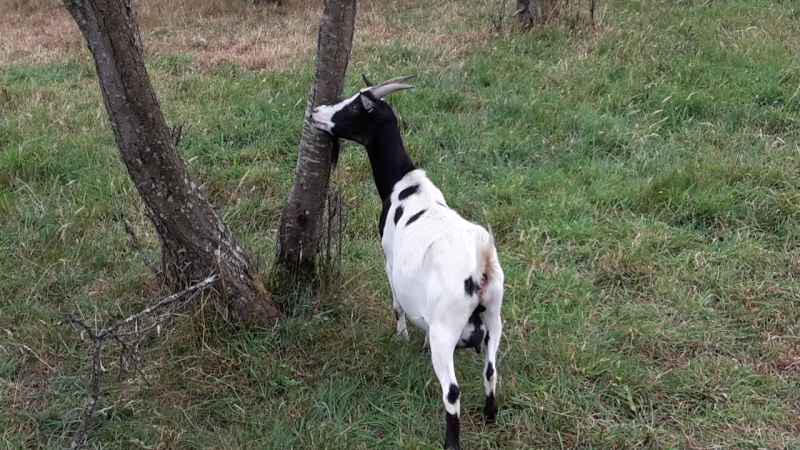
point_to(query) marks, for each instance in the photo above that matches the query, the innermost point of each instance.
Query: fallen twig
(128, 351)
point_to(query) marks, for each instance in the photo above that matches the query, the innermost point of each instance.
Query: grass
(642, 180)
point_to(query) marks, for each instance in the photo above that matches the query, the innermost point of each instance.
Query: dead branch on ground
(117, 333)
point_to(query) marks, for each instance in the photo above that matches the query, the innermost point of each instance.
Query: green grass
(642, 181)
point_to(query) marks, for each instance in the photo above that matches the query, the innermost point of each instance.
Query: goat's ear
(366, 80)
(367, 102)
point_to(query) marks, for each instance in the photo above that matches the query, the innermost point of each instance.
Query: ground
(641, 176)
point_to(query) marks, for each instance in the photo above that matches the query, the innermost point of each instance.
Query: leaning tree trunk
(301, 224)
(195, 240)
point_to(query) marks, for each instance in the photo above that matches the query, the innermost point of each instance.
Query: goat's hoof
(401, 337)
(490, 415)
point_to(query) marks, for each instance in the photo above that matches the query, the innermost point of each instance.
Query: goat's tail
(488, 272)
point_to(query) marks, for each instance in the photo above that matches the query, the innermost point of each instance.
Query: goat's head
(360, 117)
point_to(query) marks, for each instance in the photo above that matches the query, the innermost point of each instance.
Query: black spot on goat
(453, 394)
(407, 192)
(416, 216)
(398, 213)
(470, 287)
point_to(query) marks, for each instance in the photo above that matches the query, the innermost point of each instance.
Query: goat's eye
(354, 107)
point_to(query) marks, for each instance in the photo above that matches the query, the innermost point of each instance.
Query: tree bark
(530, 12)
(195, 241)
(301, 226)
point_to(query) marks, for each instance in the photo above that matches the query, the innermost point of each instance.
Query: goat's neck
(389, 160)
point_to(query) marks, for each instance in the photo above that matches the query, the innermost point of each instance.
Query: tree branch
(128, 350)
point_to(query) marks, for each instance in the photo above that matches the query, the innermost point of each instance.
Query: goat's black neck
(388, 159)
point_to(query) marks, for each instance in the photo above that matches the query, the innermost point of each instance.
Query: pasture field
(641, 178)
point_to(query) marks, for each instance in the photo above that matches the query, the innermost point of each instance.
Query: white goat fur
(427, 264)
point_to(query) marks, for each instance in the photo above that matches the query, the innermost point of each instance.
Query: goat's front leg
(402, 330)
(443, 339)
(399, 314)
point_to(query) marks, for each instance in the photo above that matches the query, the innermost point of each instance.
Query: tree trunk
(529, 13)
(301, 224)
(195, 240)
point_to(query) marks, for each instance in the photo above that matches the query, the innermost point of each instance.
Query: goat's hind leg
(494, 330)
(443, 344)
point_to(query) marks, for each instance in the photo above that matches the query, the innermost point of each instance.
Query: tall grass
(642, 180)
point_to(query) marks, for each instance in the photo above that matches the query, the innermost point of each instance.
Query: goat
(443, 270)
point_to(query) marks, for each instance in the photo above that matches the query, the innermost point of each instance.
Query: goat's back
(433, 254)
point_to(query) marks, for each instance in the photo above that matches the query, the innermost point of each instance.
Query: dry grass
(446, 38)
(219, 32)
(211, 32)
(35, 34)
(216, 32)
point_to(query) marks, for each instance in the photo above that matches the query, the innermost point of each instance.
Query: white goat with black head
(443, 270)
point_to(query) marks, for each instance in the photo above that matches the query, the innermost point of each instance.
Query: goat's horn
(366, 80)
(382, 90)
(396, 80)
